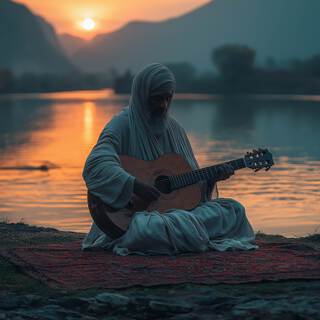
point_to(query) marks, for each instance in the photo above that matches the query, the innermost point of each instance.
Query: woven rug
(66, 266)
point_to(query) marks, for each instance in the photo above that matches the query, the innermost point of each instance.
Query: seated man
(145, 130)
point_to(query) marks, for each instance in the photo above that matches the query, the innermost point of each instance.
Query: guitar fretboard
(208, 173)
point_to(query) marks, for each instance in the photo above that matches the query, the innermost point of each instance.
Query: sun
(88, 24)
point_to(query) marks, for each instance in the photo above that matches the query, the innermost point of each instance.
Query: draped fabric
(217, 223)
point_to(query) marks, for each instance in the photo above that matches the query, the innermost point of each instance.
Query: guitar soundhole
(162, 183)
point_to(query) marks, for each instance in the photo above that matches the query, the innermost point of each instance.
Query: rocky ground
(22, 297)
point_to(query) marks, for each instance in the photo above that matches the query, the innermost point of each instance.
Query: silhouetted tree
(271, 63)
(184, 73)
(6, 80)
(234, 62)
(122, 83)
(309, 67)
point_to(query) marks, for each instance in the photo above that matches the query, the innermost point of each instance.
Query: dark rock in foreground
(285, 300)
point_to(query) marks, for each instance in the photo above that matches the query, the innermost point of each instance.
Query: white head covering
(152, 80)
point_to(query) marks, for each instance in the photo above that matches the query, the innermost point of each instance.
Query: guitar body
(174, 178)
(115, 222)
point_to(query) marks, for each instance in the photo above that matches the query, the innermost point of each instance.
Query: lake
(59, 129)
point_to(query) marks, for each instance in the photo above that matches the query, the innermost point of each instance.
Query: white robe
(218, 224)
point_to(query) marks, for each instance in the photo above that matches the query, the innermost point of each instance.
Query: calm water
(61, 128)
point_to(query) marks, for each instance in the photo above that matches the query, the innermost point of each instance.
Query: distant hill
(282, 29)
(71, 44)
(28, 43)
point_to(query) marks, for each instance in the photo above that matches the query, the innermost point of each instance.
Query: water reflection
(18, 122)
(290, 127)
(62, 128)
(88, 116)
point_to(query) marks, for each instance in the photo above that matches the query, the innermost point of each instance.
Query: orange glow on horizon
(66, 16)
(88, 118)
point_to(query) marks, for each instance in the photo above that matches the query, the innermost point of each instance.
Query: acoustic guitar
(174, 178)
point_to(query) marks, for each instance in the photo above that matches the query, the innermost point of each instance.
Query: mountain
(71, 44)
(282, 29)
(29, 43)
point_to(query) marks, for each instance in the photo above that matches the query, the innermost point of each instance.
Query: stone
(255, 304)
(223, 304)
(79, 317)
(188, 316)
(9, 302)
(48, 312)
(18, 318)
(168, 307)
(113, 299)
(99, 308)
(292, 308)
(212, 300)
(31, 300)
(75, 302)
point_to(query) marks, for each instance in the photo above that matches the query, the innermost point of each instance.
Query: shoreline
(45, 234)
(187, 96)
(22, 297)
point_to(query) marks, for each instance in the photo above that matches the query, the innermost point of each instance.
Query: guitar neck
(208, 173)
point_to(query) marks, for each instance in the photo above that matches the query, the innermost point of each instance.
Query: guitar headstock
(259, 159)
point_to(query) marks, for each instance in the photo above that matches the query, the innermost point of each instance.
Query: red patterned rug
(66, 266)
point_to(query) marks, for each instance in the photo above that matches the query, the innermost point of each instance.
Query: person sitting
(145, 130)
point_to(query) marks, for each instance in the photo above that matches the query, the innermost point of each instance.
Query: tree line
(25, 83)
(235, 72)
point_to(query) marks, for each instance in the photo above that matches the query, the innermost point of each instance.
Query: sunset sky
(68, 16)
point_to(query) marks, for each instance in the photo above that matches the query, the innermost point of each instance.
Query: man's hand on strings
(145, 191)
(224, 172)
